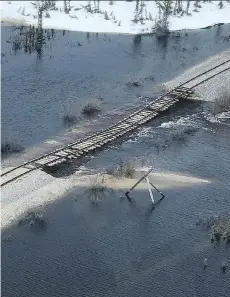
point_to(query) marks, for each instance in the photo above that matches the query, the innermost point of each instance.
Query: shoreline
(8, 22)
(54, 189)
(44, 188)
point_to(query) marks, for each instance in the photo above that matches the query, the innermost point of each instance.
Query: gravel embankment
(209, 90)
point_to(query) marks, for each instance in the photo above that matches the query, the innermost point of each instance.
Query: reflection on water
(30, 39)
(75, 67)
(118, 248)
(123, 249)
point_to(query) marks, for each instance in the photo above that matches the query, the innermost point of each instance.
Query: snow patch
(115, 18)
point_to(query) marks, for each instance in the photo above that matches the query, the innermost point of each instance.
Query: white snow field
(120, 16)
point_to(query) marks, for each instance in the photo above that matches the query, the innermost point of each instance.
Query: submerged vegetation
(8, 148)
(91, 109)
(97, 189)
(69, 119)
(218, 228)
(125, 169)
(33, 219)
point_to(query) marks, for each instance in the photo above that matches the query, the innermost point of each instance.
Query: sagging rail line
(99, 139)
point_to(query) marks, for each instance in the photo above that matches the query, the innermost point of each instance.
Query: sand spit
(39, 189)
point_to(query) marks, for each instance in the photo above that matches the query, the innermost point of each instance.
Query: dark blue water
(36, 93)
(118, 248)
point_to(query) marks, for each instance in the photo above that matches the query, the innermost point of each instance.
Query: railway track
(96, 141)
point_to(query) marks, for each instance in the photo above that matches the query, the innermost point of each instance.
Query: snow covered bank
(130, 17)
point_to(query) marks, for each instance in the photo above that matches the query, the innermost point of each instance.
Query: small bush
(47, 15)
(69, 120)
(33, 219)
(9, 148)
(90, 109)
(219, 226)
(97, 190)
(161, 28)
(126, 169)
(216, 233)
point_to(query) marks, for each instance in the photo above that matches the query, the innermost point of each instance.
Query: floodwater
(77, 67)
(118, 248)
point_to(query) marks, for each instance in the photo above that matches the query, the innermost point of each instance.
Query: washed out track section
(85, 146)
(98, 140)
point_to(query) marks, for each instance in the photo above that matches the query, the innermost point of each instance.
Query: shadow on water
(115, 249)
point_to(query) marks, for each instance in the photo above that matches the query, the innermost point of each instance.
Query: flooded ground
(71, 68)
(117, 248)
